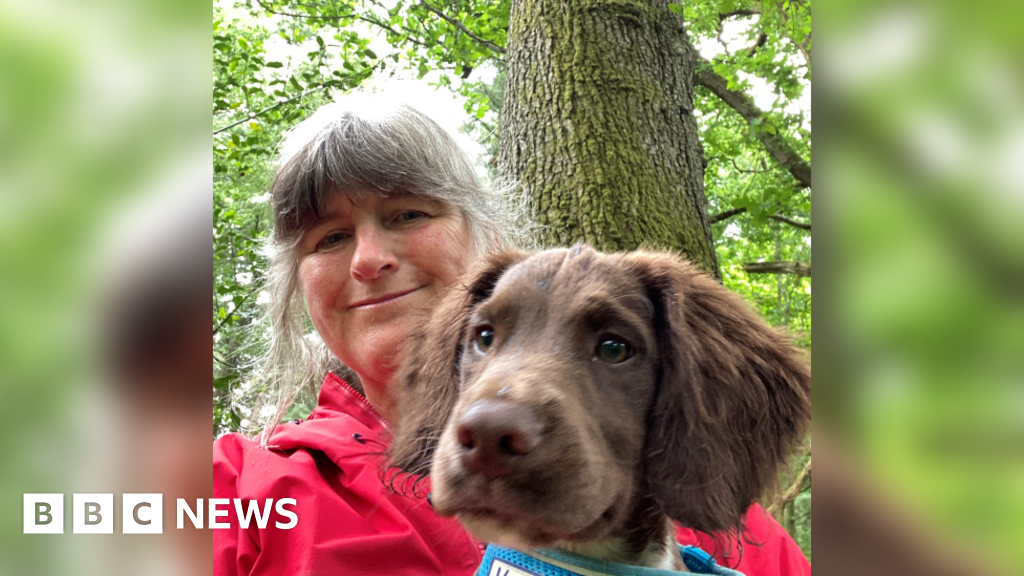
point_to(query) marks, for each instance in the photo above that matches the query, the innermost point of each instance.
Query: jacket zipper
(362, 399)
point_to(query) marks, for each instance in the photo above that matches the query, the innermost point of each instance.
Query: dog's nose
(494, 434)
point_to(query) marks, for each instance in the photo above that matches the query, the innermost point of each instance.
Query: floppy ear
(733, 397)
(428, 379)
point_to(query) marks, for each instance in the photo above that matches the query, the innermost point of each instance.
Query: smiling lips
(382, 300)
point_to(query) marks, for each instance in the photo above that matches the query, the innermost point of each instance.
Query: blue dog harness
(501, 561)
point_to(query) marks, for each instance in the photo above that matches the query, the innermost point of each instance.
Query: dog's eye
(484, 339)
(614, 351)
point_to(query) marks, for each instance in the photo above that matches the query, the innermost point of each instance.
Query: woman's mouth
(382, 300)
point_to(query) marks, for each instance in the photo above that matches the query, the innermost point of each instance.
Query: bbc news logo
(143, 513)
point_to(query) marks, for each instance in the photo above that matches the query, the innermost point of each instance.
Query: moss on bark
(597, 126)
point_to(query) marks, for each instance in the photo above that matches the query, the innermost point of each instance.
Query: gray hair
(356, 148)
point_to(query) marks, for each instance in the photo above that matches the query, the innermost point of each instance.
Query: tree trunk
(597, 126)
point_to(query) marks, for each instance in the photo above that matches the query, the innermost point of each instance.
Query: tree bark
(597, 126)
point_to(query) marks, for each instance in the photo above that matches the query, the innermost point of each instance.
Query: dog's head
(550, 395)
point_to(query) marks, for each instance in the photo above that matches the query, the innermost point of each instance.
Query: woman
(376, 212)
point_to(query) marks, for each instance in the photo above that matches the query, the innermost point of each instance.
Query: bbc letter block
(44, 513)
(92, 513)
(142, 513)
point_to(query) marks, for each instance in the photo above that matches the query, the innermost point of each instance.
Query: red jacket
(349, 523)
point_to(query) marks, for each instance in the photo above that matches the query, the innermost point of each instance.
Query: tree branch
(778, 217)
(740, 12)
(794, 490)
(226, 364)
(725, 215)
(376, 22)
(804, 46)
(795, 268)
(791, 222)
(806, 51)
(738, 169)
(725, 46)
(744, 105)
(761, 41)
(485, 43)
(269, 108)
(228, 316)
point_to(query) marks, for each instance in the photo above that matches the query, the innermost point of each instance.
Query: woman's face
(369, 268)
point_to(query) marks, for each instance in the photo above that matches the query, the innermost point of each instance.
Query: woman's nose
(373, 254)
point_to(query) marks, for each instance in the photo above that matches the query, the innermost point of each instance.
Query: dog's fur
(692, 427)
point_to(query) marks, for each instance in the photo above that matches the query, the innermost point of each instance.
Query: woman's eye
(614, 351)
(331, 240)
(484, 338)
(411, 215)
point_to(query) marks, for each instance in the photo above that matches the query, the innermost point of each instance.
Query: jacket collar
(338, 396)
(342, 425)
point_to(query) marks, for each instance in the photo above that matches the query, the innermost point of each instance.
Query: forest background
(277, 61)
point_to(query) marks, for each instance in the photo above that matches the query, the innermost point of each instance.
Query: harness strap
(502, 561)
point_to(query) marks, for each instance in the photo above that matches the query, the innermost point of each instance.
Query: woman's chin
(373, 350)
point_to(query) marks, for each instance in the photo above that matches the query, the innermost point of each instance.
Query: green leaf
(676, 8)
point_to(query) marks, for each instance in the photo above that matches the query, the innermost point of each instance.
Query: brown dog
(580, 400)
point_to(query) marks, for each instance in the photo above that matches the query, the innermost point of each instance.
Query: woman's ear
(733, 398)
(428, 379)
